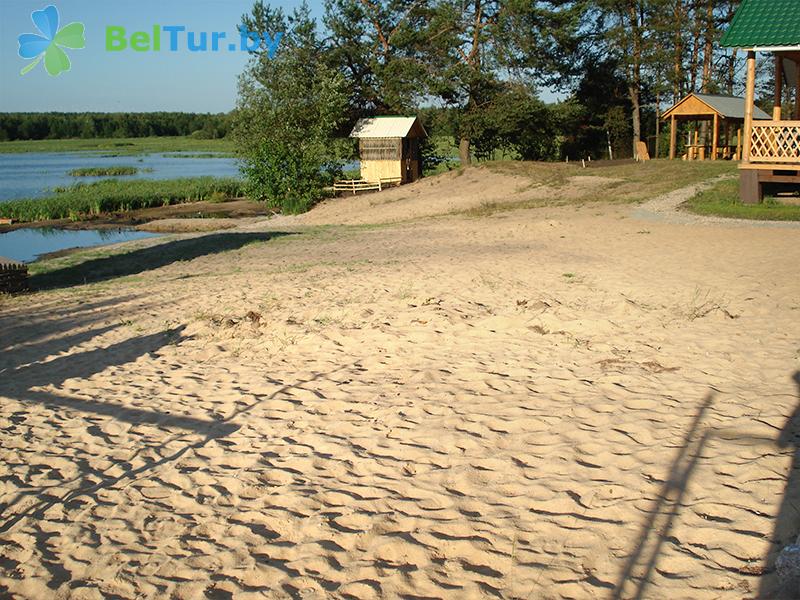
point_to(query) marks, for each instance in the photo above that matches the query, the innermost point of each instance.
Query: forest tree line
(475, 69)
(57, 125)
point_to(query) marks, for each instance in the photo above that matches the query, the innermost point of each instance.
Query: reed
(103, 171)
(83, 201)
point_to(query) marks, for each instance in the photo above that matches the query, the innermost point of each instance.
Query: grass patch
(103, 171)
(626, 182)
(121, 146)
(722, 200)
(86, 200)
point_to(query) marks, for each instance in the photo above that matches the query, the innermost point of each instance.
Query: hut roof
(388, 127)
(765, 24)
(728, 107)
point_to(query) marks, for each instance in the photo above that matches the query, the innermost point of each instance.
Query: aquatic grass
(83, 201)
(104, 171)
(201, 155)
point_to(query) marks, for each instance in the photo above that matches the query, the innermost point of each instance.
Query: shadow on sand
(23, 381)
(146, 259)
(787, 523)
(656, 530)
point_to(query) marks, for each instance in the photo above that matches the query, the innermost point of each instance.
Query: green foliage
(517, 123)
(217, 197)
(374, 44)
(103, 171)
(289, 110)
(41, 126)
(82, 201)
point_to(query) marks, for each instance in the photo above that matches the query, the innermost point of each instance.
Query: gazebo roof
(727, 107)
(388, 127)
(765, 24)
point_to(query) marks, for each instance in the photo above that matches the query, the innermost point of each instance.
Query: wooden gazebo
(770, 149)
(725, 117)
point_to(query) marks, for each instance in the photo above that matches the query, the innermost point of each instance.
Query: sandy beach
(409, 395)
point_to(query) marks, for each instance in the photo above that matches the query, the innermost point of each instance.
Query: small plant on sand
(703, 304)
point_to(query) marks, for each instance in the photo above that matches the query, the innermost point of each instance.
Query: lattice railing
(775, 142)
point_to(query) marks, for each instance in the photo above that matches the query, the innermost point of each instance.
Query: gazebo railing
(775, 142)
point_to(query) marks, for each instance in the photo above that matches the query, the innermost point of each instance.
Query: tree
(289, 109)
(472, 47)
(372, 43)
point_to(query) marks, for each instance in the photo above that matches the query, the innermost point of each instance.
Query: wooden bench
(362, 185)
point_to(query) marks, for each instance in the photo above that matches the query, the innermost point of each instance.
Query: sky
(126, 80)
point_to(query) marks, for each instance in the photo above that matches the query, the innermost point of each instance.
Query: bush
(290, 107)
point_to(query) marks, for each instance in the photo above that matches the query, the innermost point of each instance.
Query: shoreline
(194, 216)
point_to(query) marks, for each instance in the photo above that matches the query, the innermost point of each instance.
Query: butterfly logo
(49, 45)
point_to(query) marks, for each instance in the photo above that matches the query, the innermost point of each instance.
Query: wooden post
(739, 144)
(797, 92)
(749, 100)
(776, 111)
(673, 136)
(715, 139)
(749, 187)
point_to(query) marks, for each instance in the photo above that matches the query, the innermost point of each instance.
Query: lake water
(33, 174)
(26, 245)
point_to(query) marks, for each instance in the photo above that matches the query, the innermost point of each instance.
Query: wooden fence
(362, 185)
(13, 276)
(775, 142)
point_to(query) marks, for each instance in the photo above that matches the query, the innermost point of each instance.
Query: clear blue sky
(127, 80)
(130, 81)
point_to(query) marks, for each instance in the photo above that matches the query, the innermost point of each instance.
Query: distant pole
(658, 125)
(673, 136)
(610, 152)
(715, 140)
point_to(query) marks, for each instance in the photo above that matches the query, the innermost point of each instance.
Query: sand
(549, 403)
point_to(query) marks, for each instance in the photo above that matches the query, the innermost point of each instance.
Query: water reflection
(34, 174)
(28, 244)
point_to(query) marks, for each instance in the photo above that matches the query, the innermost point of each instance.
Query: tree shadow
(146, 259)
(664, 510)
(787, 523)
(635, 575)
(23, 381)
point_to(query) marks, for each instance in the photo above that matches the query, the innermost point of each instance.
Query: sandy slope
(552, 403)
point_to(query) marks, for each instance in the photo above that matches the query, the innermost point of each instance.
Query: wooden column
(715, 139)
(797, 92)
(673, 136)
(739, 144)
(749, 100)
(776, 111)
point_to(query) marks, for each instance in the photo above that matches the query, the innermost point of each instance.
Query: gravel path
(666, 209)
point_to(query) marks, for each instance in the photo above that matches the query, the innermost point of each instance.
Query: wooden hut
(770, 149)
(388, 148)
(725, 118)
